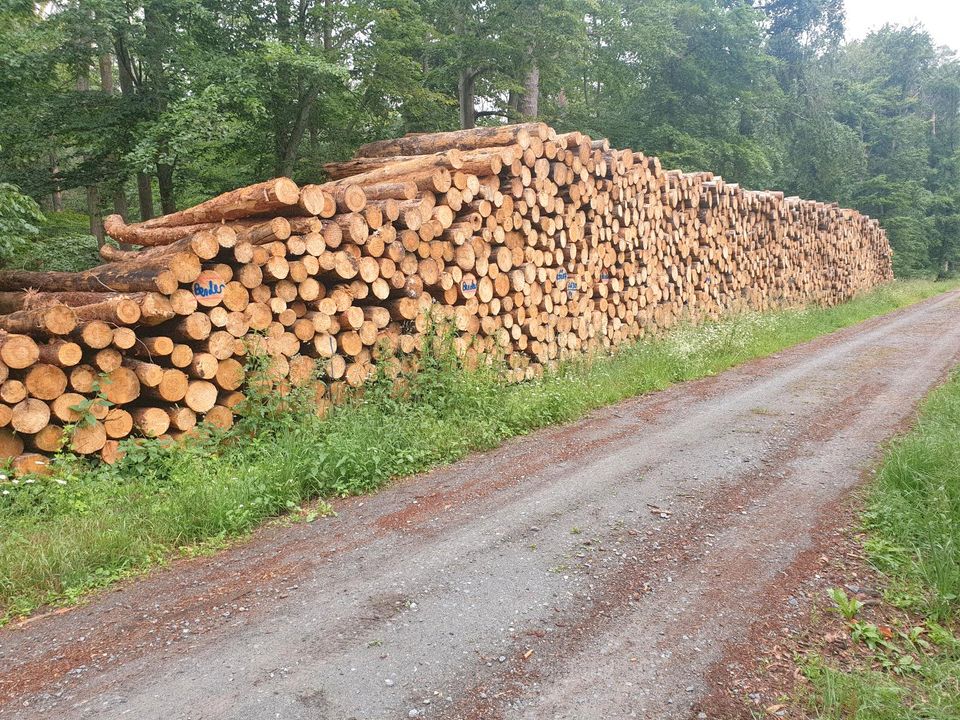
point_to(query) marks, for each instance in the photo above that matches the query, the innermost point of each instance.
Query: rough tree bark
(93, 209)
(290, 146)
(157, 24)
(531, 92)
(168, 203)
(144, 196)
(56, 199)
(466, 85)
(93, 192)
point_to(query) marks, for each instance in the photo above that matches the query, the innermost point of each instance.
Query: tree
(194, 97)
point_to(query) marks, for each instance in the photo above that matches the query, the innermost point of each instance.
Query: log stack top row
(535, 245)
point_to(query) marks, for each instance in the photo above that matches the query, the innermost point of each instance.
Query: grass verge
(908, 664)
(88, 525)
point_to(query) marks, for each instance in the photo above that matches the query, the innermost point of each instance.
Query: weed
(869, 634)
(847, 606)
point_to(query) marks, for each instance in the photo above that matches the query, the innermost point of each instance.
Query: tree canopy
(143, 106)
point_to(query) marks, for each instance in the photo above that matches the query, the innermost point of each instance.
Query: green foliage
(20, 218)
(63, 245)
(203, 97)
(30, 241)
(89, 524)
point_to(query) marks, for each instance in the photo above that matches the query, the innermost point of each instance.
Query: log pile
(535, 245)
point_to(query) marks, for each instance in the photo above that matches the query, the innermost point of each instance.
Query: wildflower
(6, 492)
(2, 476)
(61, 482)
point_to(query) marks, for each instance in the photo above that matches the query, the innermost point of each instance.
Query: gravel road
(595, 570)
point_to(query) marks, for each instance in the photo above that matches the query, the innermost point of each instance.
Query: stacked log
(536, 246)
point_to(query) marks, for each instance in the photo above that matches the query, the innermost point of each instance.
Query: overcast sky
(940, 17)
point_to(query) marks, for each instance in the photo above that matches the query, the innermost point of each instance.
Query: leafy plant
(20, 219)
(847, 606)
(869, 634)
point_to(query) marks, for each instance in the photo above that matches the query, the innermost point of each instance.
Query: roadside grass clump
(929, 693)
(87, 524)
(913, 514)
(912, 521)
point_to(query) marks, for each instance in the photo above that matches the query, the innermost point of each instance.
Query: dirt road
(597, 570)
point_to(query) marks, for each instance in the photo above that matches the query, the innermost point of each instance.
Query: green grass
(88, 525)
(913, 537)
(928, 693)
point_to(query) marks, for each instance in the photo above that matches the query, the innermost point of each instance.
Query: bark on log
(409, 164)
(423, 143)
(136, 234)
(260, 199)
(115, 277)
(52, 320)
(61, 353)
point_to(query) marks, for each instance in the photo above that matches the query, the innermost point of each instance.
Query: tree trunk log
(135, 276)
(472, 139)
(52, 320)
(260, 199)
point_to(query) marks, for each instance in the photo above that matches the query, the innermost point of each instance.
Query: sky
(940, 17)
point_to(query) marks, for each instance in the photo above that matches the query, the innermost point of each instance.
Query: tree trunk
(165, 180)
(427, 143)
(513, 103)
(124, 277)
(261, 198)
(106, 73)
(327, 22)
(158, 24)
(283, 20)
(144, 196)
(291, 147)
(120, 202)
(108, 88)
(531, 92)
(465, 89)
(93, 192)
(52, 320)
(127, 89)
(56, 199)
(93, 209)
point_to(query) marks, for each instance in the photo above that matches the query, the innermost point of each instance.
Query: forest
(141, 107)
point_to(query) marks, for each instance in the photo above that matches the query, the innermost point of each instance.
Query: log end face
(286, 191)
(354, 198)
